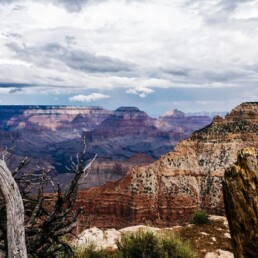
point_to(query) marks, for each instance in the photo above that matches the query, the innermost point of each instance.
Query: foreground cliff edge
(241, 203)
(168, 191)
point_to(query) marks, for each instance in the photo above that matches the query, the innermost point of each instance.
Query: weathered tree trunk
(15, 213)
(241, 203)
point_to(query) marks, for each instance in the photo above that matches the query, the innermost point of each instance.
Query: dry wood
(15, 213)
(241, 203)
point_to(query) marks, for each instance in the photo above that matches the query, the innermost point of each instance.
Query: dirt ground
(208, 237)
(204, 238)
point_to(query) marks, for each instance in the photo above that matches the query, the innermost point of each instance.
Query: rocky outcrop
(168, 191)
(240, 189)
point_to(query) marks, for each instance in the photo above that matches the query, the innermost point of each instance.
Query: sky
(194, 55)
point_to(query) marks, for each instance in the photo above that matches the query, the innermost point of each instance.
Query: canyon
(167, 191)
(122, 139)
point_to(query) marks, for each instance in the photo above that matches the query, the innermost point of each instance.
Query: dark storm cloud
(14, 85)
(75, 59)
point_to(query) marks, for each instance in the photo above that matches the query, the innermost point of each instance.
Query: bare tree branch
(48, 217)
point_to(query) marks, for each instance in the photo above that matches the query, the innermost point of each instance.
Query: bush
(200, 217)
(174, 247)
(140, 244)
(147, 245)
(89, 251)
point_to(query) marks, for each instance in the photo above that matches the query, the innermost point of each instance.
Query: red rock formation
(169, 190)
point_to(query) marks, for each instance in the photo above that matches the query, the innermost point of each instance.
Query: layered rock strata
(169, 190)
(122, 139)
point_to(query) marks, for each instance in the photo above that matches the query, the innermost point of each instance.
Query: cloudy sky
(155, 54)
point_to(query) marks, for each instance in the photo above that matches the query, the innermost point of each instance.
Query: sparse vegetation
(200, 217)
(174, 247)
(146, 244)
(90, 251)
(141, 244)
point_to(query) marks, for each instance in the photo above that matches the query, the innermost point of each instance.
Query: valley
(122, 139)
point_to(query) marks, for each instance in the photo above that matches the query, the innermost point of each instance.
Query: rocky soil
(210, 240)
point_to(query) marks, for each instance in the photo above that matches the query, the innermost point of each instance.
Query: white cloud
(89, 98)
(246, 10)
(140, 91)
(159, 43)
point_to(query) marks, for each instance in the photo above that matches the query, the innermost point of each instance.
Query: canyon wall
(168, 191)
(122, 139)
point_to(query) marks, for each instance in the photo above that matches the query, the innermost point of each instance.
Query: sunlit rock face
(167, 191)
(123, 139)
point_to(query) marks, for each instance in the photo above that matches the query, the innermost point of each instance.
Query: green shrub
(200, 217)
(147, 245)
(89, 251)
(140, 244)
(174, 247)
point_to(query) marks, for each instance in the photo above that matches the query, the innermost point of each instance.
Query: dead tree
(49, 217)
(14, 213)
(241, 203)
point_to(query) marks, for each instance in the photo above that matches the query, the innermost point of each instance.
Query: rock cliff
(167, 191)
